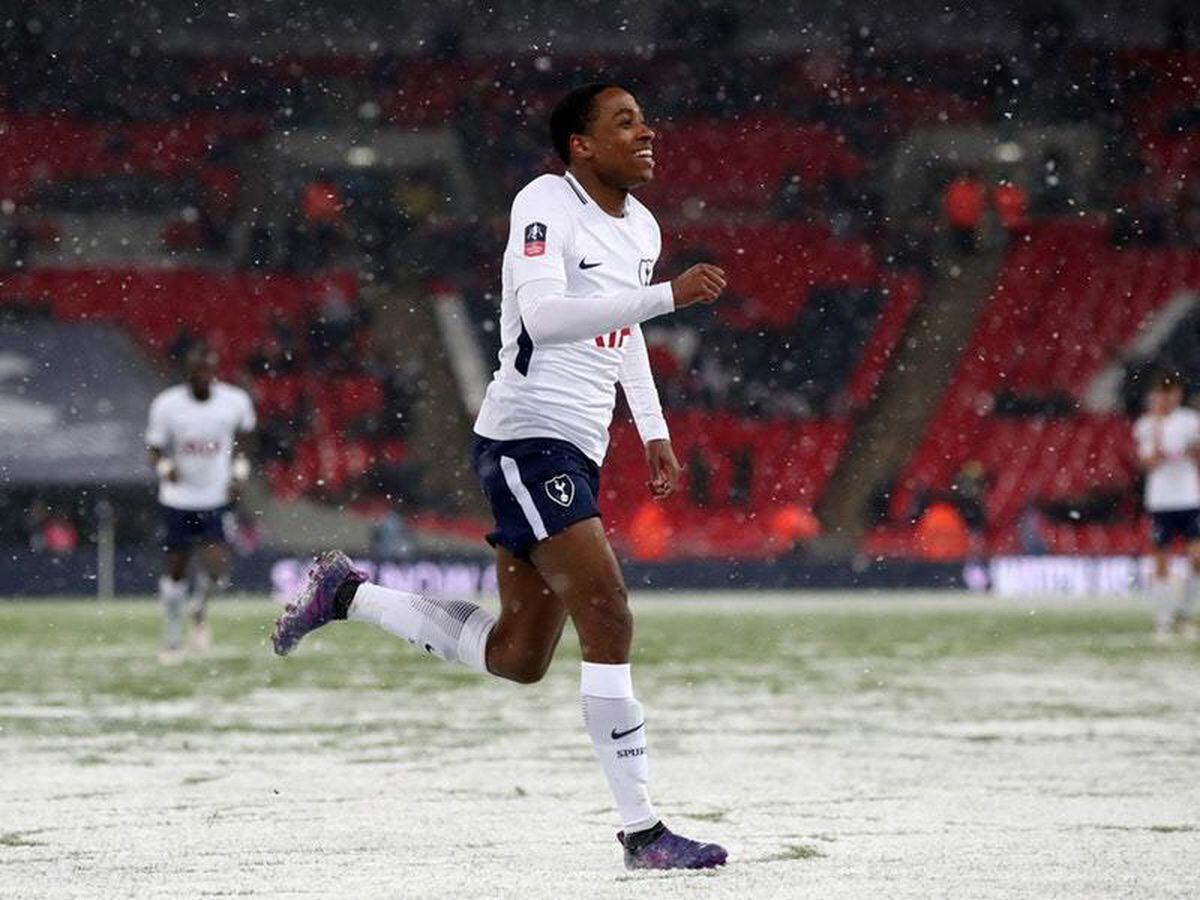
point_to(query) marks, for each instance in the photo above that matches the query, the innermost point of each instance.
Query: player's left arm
(637, 381)
(245, 442)
(1193, 445)
(158, 441)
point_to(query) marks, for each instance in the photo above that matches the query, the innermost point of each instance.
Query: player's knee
(528, 672)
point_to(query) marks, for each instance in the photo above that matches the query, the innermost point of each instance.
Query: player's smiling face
(619, 143)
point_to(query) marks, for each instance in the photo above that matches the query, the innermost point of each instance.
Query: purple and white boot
(317, 603)
(661, 848)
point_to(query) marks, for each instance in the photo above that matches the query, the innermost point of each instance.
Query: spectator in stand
(50, 531)
(650, 533)
(1054, 194)
(699, 477)
(16, 242)
(789, 201)
(1187, 216)
(332, 331)
(1031, 531)
(963, 206)
(742, 478)
(969, 488)
(259, 245)
(391, 538)
(1012, 206)
(321, 207)
(791, 528)
(941, 534)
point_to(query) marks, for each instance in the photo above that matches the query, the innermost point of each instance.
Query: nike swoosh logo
(617, 735)
(584, 264)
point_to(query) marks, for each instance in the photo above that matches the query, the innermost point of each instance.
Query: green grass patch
(19, 839)
(794, 852)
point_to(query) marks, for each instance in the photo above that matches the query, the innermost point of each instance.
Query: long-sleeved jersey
(576, 285)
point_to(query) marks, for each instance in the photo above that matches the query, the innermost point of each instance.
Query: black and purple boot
(319, 602)
(661, 848)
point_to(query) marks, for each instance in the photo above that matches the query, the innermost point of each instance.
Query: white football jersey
(198, 437)
(576, 283)
(1175, 482)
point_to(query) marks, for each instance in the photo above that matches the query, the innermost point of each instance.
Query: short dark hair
(573, 114)
(200, 352)
(1168, 380)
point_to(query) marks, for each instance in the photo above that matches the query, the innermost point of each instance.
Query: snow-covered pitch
(866, 746)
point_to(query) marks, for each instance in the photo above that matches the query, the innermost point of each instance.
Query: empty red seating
(231, 309)
(790, 462)
(277, 396)
(902, 292)
(772, 267)
(739, 165)
(42, 149)
(343, 401)
(1065, 304)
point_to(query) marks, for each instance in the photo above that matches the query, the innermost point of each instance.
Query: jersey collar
(586, 199)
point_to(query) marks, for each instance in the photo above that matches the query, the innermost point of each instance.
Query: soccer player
(196, 436)
(577, 281)
(1168, 445)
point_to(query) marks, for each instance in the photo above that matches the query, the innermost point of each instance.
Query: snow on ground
(871, 748)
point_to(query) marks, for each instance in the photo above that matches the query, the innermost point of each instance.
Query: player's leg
(1162, 597)
(517, 646)
(531, 622)
(1187, 606)
(211, 579)
(172, 593)
(579, 565)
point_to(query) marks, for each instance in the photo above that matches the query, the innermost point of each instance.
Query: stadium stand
(773, 165)
(1066, 303)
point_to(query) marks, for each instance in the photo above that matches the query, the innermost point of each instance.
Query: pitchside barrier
(27, 574)
(136, 572)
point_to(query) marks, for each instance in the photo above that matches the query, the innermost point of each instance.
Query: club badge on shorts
(561, 490)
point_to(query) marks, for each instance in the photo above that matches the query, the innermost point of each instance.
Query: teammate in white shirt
(1168, 445)
(196, 434)
(577, 283)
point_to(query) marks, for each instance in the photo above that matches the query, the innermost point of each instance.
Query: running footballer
(578, 279)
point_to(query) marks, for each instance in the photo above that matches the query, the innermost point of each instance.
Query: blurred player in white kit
(196, 437)
(1168, 446)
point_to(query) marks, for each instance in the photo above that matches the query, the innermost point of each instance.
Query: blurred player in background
(577, 279)
(197, 434)
(1168, 444)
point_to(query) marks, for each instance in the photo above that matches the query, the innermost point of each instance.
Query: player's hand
(702, 283)
(664, 469)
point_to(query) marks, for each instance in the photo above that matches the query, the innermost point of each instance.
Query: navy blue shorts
(1165, 527)
(536, 487)
(188, 527)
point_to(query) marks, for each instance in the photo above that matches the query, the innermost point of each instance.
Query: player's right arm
(1147, 434)
(539, 234)
(158, 438)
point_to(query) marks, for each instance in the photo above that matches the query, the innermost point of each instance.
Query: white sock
(1164, 594)
(203, 590)
(617, 727)
(453, 630)
(173, 595)
(1187, 597)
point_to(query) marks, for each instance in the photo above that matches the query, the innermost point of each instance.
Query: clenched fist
(702, 283)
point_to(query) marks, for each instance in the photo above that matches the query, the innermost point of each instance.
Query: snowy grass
(839, 746)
